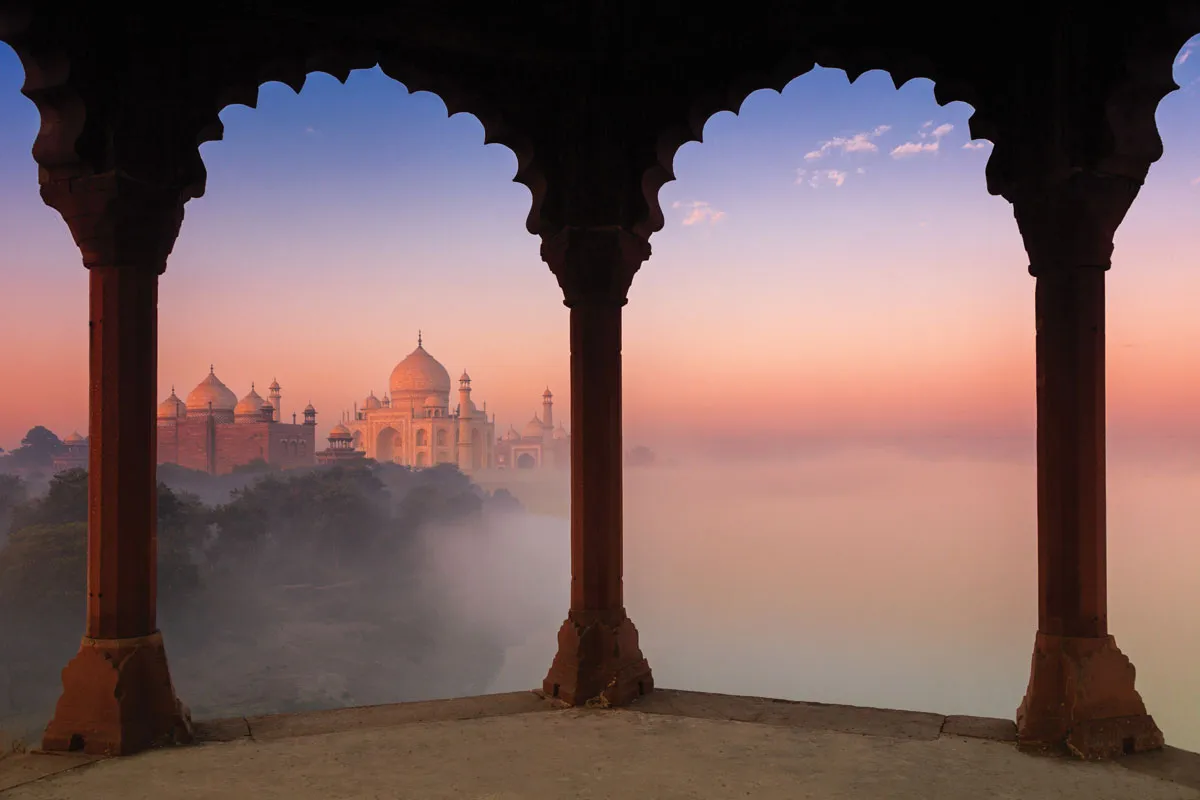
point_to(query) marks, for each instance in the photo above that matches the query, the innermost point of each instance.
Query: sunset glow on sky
(832, 264)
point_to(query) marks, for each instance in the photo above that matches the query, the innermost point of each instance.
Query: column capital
(595, 265)
(117, 220)
(1070, 221)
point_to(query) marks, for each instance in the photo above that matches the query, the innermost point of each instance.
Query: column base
(1081, 700)
(598, 661)
(117, 699)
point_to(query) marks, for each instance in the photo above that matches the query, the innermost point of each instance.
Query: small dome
(74, 438)
(465, 378)
(340, 431)
(308, 409)
(560, 432)
(371, 402)
(511, 434)
(433, 401)
(546, 395)
(387, 401)
(250, 405)
(211, 393)
(419, 374)
(172, 407)
(533, 429)
(274, 387)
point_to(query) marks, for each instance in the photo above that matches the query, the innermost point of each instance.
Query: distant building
(214, 432)
(538, 445)
(74, 454)
(415, 425)
(341, 448)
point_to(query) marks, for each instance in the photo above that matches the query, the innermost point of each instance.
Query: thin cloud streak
(858, 143)
(699, 212)
(934, 138)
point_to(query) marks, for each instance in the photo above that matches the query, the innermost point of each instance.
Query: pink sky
(887, 295)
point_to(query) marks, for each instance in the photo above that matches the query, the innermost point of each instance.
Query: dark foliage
(37, 451)
(327, 553)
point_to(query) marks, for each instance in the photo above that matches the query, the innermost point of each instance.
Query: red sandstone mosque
(214, 432)
(414, 425)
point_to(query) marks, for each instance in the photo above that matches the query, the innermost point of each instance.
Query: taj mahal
(412, 425)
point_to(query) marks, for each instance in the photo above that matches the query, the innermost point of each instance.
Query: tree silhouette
(65, 501)
(12, 494)
(37, 450)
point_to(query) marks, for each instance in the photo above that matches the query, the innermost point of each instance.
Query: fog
(294, 591)
(870, 576)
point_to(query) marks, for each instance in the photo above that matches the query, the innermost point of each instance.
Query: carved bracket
(595, 265)
(118, 221)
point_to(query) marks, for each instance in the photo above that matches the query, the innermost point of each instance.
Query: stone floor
(668, 745)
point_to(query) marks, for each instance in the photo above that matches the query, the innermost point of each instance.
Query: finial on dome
(210, 369)
(418, 337)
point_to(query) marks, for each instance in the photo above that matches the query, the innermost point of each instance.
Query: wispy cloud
(1195, 181)
(1184, 56)
(836, 177)
(858, 143)
(930, 144)
(978, 144)
(699, 212)
(311, 131)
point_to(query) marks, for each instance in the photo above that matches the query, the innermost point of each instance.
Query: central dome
(211, 391)
(418, 376)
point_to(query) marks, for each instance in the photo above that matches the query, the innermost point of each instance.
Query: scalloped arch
(61, 146)
(340, 62)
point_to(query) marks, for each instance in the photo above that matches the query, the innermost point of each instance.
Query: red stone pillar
(117, 693)
(598, 657)
(1081, 693)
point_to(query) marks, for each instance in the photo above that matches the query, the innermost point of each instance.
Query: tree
(37, 450)
(504, 500)
(65, 501)
(253, 467)
(43, 575)
(12, 494)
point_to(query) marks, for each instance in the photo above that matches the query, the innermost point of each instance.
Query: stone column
(598, 659)
(1081, 693)
(117, 693)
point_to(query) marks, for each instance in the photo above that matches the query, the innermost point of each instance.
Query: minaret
(464, 394)
(310, 415)
(466, 445)
(276, 398)
(547, 409)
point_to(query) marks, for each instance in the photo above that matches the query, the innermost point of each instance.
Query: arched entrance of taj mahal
(388, 445)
